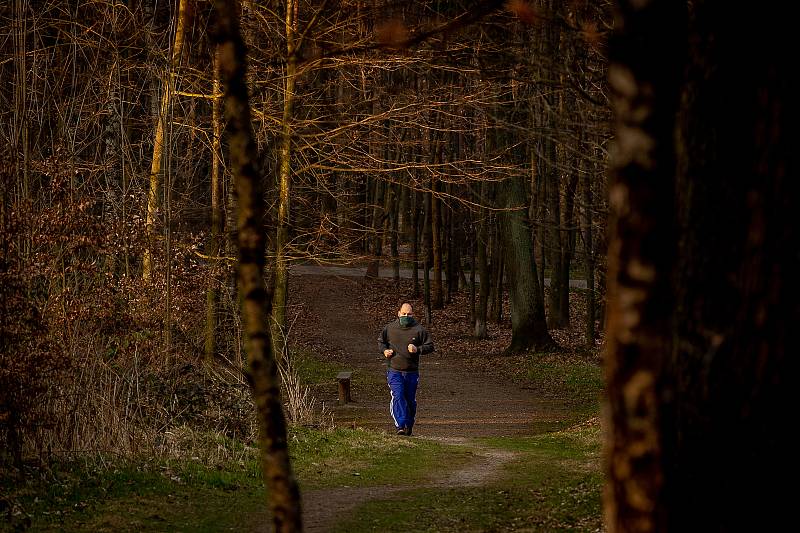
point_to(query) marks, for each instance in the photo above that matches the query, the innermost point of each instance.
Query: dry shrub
(84, 362)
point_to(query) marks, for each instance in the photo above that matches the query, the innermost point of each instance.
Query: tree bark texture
(736, 278)
(646, 52)
(283, 493)
(528, 322)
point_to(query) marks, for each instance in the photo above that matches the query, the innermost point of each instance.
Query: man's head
(405, 310)
(406, 315)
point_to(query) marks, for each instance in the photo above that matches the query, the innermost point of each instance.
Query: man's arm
(383, 341)
(426, 346)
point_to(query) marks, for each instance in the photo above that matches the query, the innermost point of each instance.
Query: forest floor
(501, 443)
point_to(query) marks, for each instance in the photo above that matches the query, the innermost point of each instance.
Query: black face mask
(406, 321)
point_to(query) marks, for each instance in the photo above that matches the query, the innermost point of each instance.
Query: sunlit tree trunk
(158, 142)
(216, 214)
(282, 490)
(281, 295)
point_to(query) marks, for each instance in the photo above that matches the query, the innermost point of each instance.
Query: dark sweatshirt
(397, 338)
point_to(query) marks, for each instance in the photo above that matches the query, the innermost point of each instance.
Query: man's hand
(412, 348)
(388, 353)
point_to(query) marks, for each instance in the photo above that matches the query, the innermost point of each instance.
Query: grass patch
(312, 370)
(194, 494)
(320, 374)
(554, 484)
(127, 495)
(570, 377)
(358, 457)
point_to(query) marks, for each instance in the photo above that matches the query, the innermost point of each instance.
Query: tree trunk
(158, 142)
(281, 271)
(426, 230)
(282, 489)
(588, 256)
(736, 276)
(216, 215)
(483, 272)
(394, 212)
(415, 212)
(528, 323)
(471, 283)
(447, 249)
(567, 248)
(554, 241)
(377, 224)
(496, 273)
(435, 220)
(647, 54)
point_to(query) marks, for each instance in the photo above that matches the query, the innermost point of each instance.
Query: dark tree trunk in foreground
(528, 323)
(283, 493)
(736, 279)
(647, 52)
(699, 382)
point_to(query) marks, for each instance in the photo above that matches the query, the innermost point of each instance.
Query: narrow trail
(455, 405)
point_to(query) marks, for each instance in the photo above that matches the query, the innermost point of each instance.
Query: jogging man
(402, 341)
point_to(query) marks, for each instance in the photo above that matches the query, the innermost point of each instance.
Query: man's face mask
(406, 321)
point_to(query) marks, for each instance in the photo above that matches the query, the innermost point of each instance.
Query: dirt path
(454, 404)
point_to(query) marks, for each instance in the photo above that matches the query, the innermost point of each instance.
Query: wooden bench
(344, 387)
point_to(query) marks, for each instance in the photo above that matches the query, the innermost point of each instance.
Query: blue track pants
(404, 397)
